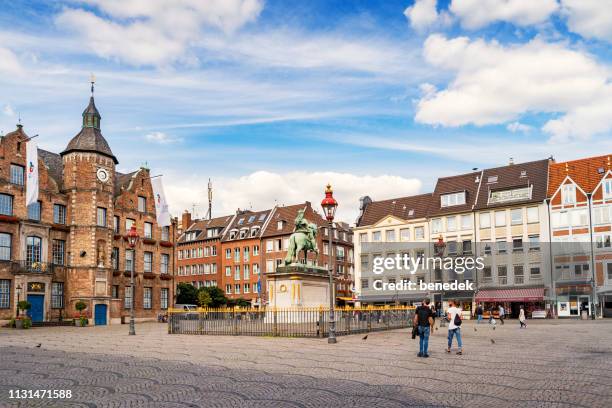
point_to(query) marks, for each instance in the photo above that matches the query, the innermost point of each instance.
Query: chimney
(186, 220)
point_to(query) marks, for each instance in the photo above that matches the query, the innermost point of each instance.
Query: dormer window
(449, 200)
(251, 219)
(492, 179)
(241, 221)
(243, 233)
(233, 234)
(280, 225)
(568, 194)
(254, 232)
(262, 217)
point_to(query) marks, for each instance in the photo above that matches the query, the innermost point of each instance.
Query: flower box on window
(117, 236)
(165, 276)
(8, 218)
(149, 241)
(166, 244)
(148, 275)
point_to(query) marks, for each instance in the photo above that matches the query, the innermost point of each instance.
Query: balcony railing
(20, 267)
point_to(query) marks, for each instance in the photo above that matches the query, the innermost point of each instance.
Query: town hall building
(71, 245)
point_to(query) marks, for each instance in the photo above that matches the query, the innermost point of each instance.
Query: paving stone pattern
(549, 364)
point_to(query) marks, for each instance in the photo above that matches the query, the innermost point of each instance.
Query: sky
(272, 100)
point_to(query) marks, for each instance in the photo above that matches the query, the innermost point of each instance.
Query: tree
(217, 296)
(204, 299)
(186, 294)
(23, 305)
(80, 306)
(240, 302)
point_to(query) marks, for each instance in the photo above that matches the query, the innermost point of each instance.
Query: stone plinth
(297, 285)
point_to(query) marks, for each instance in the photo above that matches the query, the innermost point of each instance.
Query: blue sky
(273, 99)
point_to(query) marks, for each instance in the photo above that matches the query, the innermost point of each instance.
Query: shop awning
(510, 295)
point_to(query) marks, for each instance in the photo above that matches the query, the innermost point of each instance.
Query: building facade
(70, 246)
(580, 210)
(199, 252)
(384, 229)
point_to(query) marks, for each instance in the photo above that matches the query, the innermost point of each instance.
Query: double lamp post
(132, 239)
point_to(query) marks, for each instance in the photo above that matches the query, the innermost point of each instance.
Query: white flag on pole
(31, 172)
(161, 205)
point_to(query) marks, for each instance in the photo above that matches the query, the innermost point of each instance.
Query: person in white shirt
(454, 329)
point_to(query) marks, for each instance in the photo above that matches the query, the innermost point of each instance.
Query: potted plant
(83, 321)
(23, 322)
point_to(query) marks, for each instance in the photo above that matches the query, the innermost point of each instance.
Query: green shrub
(27, 323)
(80, 306)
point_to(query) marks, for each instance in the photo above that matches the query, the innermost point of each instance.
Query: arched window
(33, 249)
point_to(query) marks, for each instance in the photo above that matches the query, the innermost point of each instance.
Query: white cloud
(476, 14)
(161, 138)
(589, 18)
(519, 127)
(8, 110)
(495, 84)
(264, 189)
(154, 32)
(9, 63)
(422, 14)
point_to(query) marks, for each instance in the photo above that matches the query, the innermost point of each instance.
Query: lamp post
(439, 248)
(329, 205)
(132, 237)
(18, 299)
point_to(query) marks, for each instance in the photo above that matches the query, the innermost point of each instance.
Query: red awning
(510, 295)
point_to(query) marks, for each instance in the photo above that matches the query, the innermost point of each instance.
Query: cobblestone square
(549, 364)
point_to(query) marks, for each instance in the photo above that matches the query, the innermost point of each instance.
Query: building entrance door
(100, 315)
(37, 311)
(584, 303)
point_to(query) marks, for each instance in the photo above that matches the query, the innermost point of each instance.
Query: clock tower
(89, 180)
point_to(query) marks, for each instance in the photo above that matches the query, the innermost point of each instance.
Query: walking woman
(522, 318)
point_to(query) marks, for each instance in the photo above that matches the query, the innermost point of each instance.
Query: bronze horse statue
(304, 238)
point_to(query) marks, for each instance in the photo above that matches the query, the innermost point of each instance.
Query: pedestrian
(454, 329)
(479, 313)
(423, 319)
(522, 318)
(491, 320)
(502, 314)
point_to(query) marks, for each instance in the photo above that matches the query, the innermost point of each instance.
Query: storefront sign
(36, 287)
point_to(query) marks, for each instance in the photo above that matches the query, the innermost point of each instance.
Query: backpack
(457, 320)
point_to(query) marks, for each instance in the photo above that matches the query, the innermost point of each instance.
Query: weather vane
(92, 79)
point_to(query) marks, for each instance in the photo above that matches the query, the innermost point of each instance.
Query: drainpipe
(593, 285)
(550, 236)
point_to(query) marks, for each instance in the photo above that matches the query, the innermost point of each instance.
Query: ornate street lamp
(132, 238)
(329, 205)
(18, 296)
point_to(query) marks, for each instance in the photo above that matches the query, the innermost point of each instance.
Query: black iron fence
(290, 322)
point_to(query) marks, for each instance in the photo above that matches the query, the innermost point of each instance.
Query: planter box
(116, 273)
(166, 244)
(19, 324)
(148, 275)
(165, 276)
(117, 236)
(149, 241)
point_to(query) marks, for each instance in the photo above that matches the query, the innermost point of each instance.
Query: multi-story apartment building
(451, 219)
(275, 241)
(384, 229)
(199, 252)
(511, 222)
(70, 246)
(580, 205)
(241, 263)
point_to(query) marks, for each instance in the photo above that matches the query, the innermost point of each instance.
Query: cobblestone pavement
(549, 364)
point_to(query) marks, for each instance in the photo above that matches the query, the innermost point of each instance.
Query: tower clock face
(103, 175)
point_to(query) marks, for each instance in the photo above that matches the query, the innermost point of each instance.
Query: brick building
(199, 253)
(70, 245)
(241, 255)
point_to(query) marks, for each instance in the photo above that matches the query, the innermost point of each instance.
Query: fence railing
(289, 322)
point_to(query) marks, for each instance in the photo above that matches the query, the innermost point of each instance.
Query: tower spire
(92, 80)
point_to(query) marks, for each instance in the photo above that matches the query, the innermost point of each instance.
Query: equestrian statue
(304, 238)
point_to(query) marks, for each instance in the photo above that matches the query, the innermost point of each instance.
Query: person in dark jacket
(479, 313)
(423, 320)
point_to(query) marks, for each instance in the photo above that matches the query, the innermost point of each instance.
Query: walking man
(423, 319)
(454, 329)
(522, 318)
(479, 313)
(502, 314)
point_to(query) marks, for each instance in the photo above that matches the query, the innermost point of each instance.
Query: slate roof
(587, 173)
(513, 176)
(53, 161)
(245, 215)
(122, 181)
(454, 184)
(405, 208)
(203, 225)
(90, 140)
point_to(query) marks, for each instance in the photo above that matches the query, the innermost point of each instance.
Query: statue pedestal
(298, 286)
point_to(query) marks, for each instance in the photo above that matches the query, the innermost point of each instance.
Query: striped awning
(510, 295)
